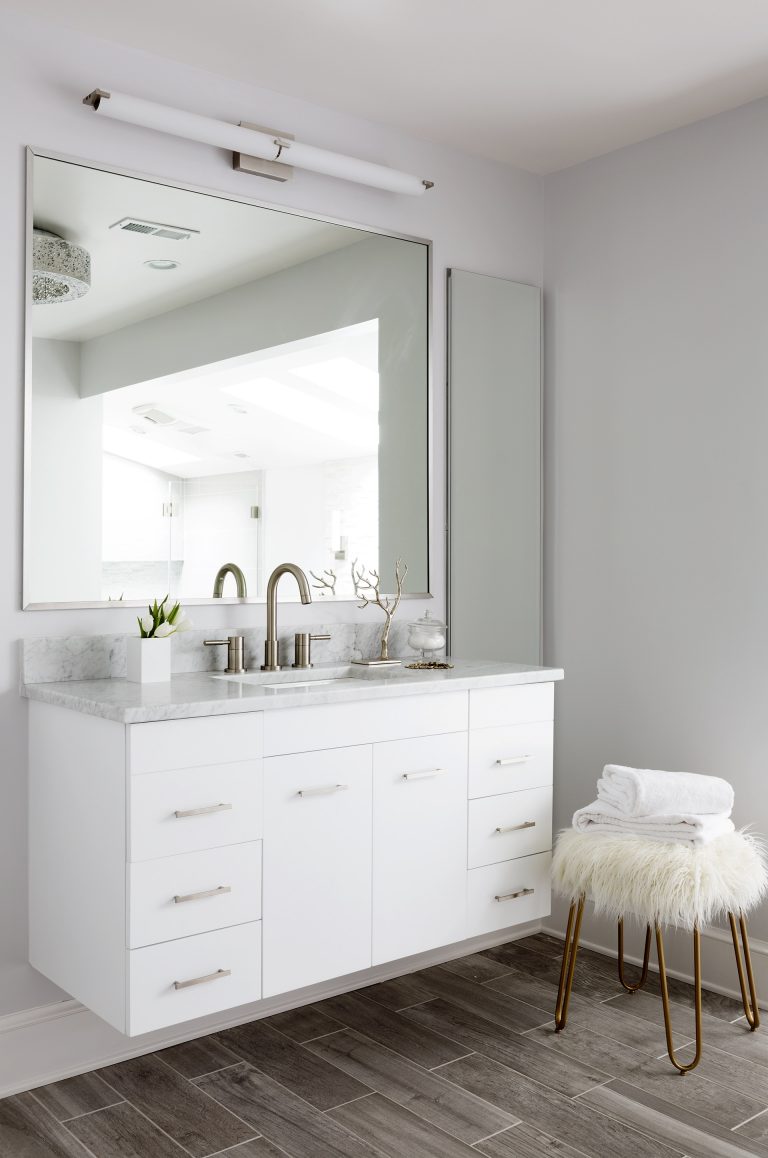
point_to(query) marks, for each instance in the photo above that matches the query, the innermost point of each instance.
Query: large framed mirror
(213, 381)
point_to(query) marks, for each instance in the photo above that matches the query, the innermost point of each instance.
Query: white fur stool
(661, 883)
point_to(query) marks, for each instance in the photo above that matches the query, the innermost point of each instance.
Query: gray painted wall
(657, 473)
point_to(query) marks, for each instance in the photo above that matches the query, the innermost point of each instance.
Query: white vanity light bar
(251, 142)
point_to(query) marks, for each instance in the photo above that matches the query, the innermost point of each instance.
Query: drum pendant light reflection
(61, 271)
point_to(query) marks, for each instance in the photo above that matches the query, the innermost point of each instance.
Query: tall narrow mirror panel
(495, 468)
(211, 381)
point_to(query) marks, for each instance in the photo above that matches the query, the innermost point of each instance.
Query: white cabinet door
(317, 867)
(419, 845)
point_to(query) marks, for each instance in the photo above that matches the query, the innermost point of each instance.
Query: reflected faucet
(270, 647)
(221, 574)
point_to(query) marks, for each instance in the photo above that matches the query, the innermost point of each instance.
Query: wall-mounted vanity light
(252, 147)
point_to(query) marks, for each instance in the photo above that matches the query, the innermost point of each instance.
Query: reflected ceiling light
(251, 144)
(162, 263)
(315, 413)
(61, 271)
(128, 444)
(345, 377)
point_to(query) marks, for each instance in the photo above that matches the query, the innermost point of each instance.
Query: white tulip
(163, 630)
(182, 622)
(146, 623)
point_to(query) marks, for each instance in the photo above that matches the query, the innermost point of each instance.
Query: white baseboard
(62, 1039)
(718, 965)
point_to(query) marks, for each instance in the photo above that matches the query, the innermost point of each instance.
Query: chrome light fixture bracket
(273, 170)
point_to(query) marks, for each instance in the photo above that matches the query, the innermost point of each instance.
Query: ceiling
(306, 402)
(235, 243)
(541, 84)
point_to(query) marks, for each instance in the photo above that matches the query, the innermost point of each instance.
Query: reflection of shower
(61, 271)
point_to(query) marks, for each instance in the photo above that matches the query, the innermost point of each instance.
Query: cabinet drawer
(224, 969)
(179, 896)
(513, 825)
(509, 759)
(370, 722)
(165, 744)
(317, 867)
(419, 844)
(506, 894)
(195, 808)
(518, 704)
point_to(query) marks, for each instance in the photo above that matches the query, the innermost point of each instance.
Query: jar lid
(429, 621)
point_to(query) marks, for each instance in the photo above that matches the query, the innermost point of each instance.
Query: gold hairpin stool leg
(665, 999)
(570, 949)
(646, 957)
(751, 1007)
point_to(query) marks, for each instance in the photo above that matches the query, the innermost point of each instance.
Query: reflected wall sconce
(255, 149)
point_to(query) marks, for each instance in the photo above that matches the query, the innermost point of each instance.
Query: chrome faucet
(221, 574)
(270, 647)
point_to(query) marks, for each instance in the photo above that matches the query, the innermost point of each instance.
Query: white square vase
(148, 660)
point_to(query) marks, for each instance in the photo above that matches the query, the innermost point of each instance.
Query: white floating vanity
(205, 844)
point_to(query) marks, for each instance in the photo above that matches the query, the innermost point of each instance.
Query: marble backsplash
(49, 659)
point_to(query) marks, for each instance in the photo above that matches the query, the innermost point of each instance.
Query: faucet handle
(235, 652)
(302, 644)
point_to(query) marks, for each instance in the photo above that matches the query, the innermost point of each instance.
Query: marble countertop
(210, 694)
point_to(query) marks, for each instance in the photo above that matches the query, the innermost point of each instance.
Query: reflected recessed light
(162, 263)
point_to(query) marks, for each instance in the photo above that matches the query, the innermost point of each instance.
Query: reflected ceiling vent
(154, 229)
(61, 271)
(149, 411)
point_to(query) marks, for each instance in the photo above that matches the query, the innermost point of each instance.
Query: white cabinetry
(175, 863)
(317, 867)
(419, 844)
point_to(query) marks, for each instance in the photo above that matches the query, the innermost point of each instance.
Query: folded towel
(644, 792)
(678, 827)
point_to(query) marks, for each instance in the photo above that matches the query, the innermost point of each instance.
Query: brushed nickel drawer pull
(514, 896)
(217, 892)
(513, 760)
(204, 811)
(516, 827)
(425, 775)
(322, 790)
(202, 980)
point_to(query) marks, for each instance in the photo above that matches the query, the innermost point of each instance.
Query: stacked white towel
(672, 806)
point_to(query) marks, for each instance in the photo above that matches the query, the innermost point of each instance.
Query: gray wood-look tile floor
(460, 1059)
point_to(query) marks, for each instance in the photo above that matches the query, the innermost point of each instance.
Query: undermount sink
(292, 680)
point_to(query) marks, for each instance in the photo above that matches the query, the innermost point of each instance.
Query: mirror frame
(31, 154)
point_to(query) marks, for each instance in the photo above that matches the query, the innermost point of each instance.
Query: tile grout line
(704, 1121)
(246, 1142)
(596, 1086)
(349, 1102)
(576, 1150)
(66, 1129)
(190, 1082)
(757, 1115)
(471, 1053)
(87, 1113)
(153, 1123)
(208, 1073)
(495, 1133)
